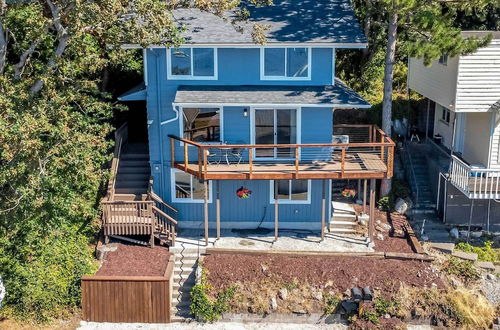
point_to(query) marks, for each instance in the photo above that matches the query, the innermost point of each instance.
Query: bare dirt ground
(339, 273)
(130, 260)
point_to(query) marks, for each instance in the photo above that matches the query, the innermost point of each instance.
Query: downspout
(174, 107)
(158, 109)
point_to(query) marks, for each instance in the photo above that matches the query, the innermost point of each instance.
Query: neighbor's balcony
(369, 153)
(475, 183)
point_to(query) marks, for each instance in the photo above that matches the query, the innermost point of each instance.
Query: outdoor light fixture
(245, 112)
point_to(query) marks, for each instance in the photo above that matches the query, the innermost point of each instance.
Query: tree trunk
(367, 26)
(3, 48)
(390, 58)
(105, 80)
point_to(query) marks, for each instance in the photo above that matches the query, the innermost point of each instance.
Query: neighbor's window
(191, 63)
(445, 115)
(187, 188)
(285, 63)
(201, 124)
(291, 191)
(443, 60)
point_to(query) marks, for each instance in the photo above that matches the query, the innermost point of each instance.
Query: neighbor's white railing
(476, 183)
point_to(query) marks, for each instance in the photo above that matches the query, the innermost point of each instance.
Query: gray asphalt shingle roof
(290, 21)
(339, 94)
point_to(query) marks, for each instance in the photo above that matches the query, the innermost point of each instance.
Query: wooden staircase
(131, 208)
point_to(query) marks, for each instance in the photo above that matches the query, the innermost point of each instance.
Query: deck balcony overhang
(475, 183)
(370, 158)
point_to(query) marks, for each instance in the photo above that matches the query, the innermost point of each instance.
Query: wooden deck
(371, 159)
(356, 166)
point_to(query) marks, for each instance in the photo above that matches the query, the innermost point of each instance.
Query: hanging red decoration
(243, 192)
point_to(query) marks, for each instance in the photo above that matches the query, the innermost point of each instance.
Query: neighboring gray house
(463, 116)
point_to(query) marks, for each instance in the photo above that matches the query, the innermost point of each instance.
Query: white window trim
(170, 76)
(252, 126)
(221, 123)
(187, 200)
(309, 66)
(289, 201)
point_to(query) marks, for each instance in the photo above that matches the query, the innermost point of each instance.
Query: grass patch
(462, 269)
(484, 253)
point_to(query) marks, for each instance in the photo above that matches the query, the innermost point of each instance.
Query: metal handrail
(412, 174)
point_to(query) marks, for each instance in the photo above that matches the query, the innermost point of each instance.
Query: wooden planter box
(132, 299)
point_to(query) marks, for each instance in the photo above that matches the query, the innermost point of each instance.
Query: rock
(497, 269)
(443, 247)
(317, 295)
(298, 310)
(386, 226)
(485, 265)
(283, 293)
(274, 304)
(434, 285)
(387, 316)
(476, 234)
(349, 307)
(102, 250)
(465, 255)
(380, 237)
(401, 206)
(490, 277)
(264, 268)
(463, 233)
(454, 233)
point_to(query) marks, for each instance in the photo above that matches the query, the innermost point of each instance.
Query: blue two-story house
(242, 135)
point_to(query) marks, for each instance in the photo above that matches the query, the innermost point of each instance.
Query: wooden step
(135, 190)
(130, 197)
(342, 230)
(133, 176)
(133, 163)
(133, 169)
(131, 184)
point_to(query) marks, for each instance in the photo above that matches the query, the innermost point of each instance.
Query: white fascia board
(326, 105)
(253, 45)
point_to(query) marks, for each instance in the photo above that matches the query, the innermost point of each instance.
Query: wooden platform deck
(355, 166)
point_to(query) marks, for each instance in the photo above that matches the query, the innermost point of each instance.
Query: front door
(275, 126)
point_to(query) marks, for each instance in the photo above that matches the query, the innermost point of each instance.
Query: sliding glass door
(275, 126)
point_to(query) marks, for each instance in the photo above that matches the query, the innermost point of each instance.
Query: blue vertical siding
(236, 67)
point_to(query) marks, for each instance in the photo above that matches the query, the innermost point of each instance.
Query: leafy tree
(55, 119)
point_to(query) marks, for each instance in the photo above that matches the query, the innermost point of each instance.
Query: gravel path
(200, 326)
(491, 290)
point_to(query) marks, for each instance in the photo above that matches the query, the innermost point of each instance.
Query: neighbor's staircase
(187, 253)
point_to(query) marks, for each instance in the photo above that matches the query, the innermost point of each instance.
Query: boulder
(274, 304)
(380, 237)
(485, 265)
(454, 233)
(443, 247)
(317, 295)
(402, 206)
(476, 234)
(283, 293)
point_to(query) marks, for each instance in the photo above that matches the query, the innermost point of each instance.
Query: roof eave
(253, 45)
(308, 105)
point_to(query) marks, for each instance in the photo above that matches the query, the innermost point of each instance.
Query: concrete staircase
(344, 219)
(187, 252)
(133, 172)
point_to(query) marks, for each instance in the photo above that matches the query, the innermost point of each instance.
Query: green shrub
(331, 303)
(370, 316)
(206, 308)
(399, 189)
(385, 203)
(42, 277)
(484, 253)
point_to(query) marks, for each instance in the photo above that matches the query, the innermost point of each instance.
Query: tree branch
(3, 47)
(63, 39)
(19, 66)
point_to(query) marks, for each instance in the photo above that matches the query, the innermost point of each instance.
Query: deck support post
(364, 195)
(275, 211)
(323, 210)
(470, 219)
(152, 216)
(205, 209)
(217, 208)
(371, 221)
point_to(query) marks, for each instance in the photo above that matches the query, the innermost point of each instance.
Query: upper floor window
(285, 63)
(443, 59)
(202, 124)
(445, 115)
(192, 63)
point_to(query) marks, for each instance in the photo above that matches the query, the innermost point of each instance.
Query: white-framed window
(285, 63)
(202, 124)
(443, 59)
(291, 191)
(186, 188)
(192, 63)
(445, 115)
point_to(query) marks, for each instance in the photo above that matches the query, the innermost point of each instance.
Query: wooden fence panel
(144, 299)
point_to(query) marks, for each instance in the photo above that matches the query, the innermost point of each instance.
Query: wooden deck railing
(371, 159)
(475, 183)
(121, 136)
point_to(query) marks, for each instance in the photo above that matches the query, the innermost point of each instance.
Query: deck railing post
(390, 161)
(200, 159)
(296, 161)
(342, 163)
(172, 151)
(250, 164)
(186, 158)
(152, 217)
(205, 163)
